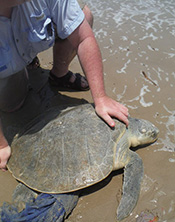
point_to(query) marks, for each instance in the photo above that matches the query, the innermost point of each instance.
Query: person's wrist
(4, 144)
(99, 99)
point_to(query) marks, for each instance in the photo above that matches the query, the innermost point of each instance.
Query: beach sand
(136, 39)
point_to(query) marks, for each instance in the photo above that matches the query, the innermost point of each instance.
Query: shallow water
(137, 41)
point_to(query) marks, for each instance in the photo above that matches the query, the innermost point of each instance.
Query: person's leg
(63, 54)
(13, 91)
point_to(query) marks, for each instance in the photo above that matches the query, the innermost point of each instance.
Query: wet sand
(136, 38)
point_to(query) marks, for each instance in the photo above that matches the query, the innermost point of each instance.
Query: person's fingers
(3, 165)
(116, 112)
(4, 169)
(4, 156)
(108, 120)
(123, 118)
(108, 108)
(124, 110)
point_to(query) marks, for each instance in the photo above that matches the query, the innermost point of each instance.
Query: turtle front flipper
(133, 174)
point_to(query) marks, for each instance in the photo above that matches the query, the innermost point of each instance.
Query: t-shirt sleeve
(67, 16)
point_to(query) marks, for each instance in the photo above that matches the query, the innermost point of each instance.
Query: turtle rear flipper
(133, 175)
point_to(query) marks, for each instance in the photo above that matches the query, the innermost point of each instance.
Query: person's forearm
(91, 62)
(89, 55)
(3, 141)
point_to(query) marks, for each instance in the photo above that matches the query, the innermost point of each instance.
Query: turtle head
(142, 132)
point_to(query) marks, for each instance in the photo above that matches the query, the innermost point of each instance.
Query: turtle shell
(65, 151)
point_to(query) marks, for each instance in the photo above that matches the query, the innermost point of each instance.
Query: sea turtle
(73, 149)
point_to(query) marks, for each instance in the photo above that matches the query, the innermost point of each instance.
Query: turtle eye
(143, 130)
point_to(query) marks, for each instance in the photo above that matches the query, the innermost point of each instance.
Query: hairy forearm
(84, 42)
(91, 62)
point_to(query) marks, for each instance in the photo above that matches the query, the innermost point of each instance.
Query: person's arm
(5, 150)
(89, 55)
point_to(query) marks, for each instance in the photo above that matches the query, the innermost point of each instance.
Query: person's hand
(4, 156)
(106, 108)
